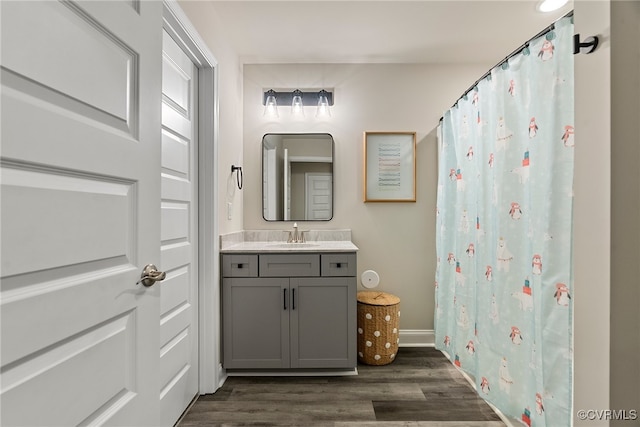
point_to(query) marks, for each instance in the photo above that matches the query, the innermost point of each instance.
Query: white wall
(204, 18)
(606, 212)
(592, 213)
(625, 207)
(395, 239)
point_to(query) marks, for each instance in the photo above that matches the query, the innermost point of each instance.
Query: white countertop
(271, 241)
(317, 246)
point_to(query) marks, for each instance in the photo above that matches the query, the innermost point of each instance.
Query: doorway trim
(178, 25)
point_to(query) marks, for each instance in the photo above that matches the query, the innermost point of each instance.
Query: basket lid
(377, 298)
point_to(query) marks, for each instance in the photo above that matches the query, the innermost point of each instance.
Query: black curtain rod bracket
(587, 46)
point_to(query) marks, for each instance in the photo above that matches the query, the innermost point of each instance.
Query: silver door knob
(151, 275)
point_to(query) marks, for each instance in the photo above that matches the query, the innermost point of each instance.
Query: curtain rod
(511, 55)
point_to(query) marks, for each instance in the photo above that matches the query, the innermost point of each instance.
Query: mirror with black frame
(297, 176)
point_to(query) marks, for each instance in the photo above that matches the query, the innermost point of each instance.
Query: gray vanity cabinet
(323, 322)
(305, 318)
(255, 323)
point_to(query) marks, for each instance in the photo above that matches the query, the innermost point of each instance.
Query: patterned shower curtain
(504, 232)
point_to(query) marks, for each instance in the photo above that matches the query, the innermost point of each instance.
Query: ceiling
(360, 31)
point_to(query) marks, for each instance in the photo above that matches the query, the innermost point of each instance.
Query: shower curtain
(504, 276)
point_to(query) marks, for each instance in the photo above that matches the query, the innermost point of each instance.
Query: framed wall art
(389, 166)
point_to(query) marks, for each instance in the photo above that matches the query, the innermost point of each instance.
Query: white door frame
(184, 33)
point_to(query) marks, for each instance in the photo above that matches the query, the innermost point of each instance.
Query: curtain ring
(239, 176)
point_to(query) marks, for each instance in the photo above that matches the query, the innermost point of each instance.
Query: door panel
(67, 371)
(318, 196)
(323, 322)
(92, 53)
(79, 167)
(256, 322)
(178, 302)
(81, 200)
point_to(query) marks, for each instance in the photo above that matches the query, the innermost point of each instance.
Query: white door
(179, 291)
(287, 186)
(80, 217)
(318, 196)
(269, 184)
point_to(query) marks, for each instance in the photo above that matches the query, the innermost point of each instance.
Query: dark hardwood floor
(420, 388)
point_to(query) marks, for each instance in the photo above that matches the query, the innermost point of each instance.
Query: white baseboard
(294, 373)
(222, 376)
(417, 338)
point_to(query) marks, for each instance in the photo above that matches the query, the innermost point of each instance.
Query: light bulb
(271, 105)
(297, 107)
(323, 110)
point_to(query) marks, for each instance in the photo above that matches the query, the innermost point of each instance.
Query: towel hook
(239, 177)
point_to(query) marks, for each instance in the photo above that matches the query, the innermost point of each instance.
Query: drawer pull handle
(339, 265)
(240, 265)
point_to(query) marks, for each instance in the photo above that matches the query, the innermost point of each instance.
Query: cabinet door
(323, 322)
(256, 322)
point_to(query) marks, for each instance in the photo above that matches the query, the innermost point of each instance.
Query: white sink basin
(282, 245)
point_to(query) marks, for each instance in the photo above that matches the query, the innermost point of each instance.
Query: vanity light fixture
(297, 99)
(271, 104)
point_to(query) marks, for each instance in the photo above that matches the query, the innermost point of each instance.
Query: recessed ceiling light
(551, 5)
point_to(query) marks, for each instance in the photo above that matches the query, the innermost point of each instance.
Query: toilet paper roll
(370, 279)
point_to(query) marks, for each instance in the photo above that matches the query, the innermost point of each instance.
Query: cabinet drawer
(339, 265)
(289, 265)
(240, 265)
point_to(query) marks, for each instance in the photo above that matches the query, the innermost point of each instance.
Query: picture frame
(389, 166)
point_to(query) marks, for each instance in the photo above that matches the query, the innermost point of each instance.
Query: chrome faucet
(296, 236)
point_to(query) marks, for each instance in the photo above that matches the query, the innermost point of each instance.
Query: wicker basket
(378, 321)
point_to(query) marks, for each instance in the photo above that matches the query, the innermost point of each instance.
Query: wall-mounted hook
(239, 177)
(587, 46)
